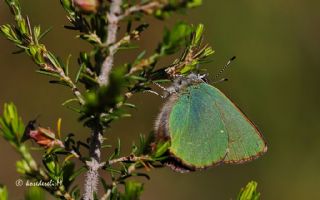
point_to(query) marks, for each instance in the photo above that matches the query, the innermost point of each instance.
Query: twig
(74, 88)
(147, 8)
(106, 195)
(41, 175)
(113, 20)
(130, 158)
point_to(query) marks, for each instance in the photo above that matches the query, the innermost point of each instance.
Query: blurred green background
(275, 80)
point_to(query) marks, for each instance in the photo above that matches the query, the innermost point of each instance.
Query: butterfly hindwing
(198, 135)
(245, 141)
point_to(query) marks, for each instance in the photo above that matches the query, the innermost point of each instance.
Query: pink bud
(88, 6)
(44, 137)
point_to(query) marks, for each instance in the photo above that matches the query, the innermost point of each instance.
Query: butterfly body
(205, 128)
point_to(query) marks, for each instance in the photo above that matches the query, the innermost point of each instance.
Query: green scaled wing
(198, 135)
(245, 140)
(206, 128)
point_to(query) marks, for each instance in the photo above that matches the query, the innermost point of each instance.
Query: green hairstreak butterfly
(204, 127)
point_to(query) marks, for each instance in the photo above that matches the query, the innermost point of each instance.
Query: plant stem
(74, 88)
(41, 175)
(113, 20)
(147, 8)
(131, 158)
(92, 176)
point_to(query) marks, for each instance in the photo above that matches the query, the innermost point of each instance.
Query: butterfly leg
(154, 92)
(168, 91)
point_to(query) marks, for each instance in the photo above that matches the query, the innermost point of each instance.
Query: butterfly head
(181, 82)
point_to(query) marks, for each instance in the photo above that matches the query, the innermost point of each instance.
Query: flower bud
(42, 136)
(45, 137)
(87, 6)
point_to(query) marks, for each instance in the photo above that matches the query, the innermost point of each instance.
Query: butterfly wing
(198, 135)
(245, 140)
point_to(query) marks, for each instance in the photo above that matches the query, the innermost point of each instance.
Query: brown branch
(148, 8)
(130, 158)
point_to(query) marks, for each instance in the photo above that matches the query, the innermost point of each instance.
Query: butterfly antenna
(224, 68)
(221, 80)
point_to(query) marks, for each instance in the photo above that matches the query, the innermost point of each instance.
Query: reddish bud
(87, 6)
(44, 137)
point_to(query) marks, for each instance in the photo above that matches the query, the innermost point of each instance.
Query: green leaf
(249, 192)
(67, 172)
(14, 7)
(77, 173)
(11, 124)
(162, 148)
(66, 68)
(3, 192)
(10, 34)
(144, 147)
(23, 27)
(82, 66)
(75, 192)
(133, 190)
(53, 60)
(62, 82)
(175, 38)
(50, 161)
(106, 187)
(138, 78)
(130, 105)
(44, 33)
(23, 167)
(194, 3)
(198, 34)
(34, 193)
(118, 149)
(67, 5)
(36, 52)
(172, 6)
(141, 55)
(42, 71)
(91, 38)
(69, 101)
(36, 33)
(193, 55)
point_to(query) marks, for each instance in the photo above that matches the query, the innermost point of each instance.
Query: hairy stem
(92, 176)
(113, 22)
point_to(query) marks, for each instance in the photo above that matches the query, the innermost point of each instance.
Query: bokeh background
(275, 80)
